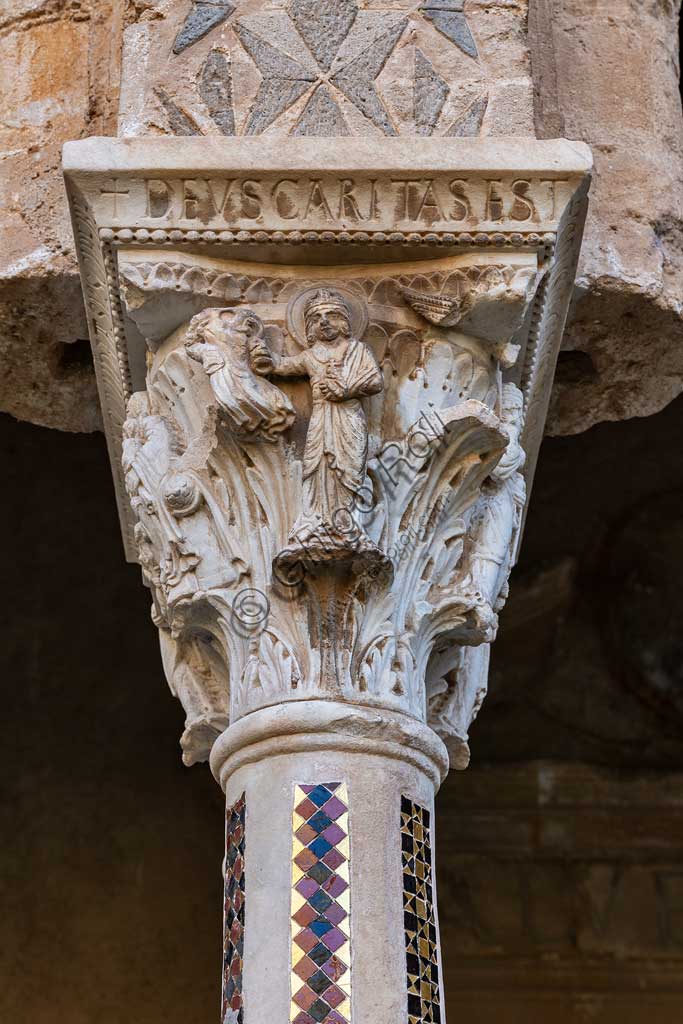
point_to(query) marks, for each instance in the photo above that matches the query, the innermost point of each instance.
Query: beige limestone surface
(606, 73)
(60, 64)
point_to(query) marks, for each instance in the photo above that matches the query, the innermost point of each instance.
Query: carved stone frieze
(335, 377)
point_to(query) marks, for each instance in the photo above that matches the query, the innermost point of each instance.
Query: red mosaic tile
(305, 859)
(306, 808)
(305, 834)
(305, 915)
(305, 997)
(306, 940)
(305, 968)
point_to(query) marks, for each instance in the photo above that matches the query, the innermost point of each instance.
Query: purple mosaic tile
(334, 807)
(335, 885)
(307, 887)
(335, 913)
(334, 939)
(321, 970)
(333, 834)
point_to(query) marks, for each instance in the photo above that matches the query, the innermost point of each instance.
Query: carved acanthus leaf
(282, 548)
(284, 561)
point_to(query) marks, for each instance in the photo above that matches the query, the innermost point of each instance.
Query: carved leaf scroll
(220, 497)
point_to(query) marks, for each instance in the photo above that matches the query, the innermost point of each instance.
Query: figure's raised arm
(290, 366)
(195, 351)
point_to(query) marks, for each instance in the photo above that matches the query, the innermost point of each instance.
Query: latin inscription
(335, 201)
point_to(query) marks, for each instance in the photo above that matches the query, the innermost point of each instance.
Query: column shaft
(330, 888)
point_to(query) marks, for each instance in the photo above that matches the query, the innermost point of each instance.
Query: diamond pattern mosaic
(321, 963)
(422, 943)
(232, 1011)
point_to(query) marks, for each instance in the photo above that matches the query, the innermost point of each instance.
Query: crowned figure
(342, 371)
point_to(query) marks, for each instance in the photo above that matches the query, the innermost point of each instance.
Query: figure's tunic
(336, 448)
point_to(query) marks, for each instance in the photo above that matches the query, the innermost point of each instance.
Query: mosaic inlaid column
(338, 882)
(324, 374)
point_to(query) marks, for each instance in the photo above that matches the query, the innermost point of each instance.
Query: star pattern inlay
(347, 50)
(321, 60)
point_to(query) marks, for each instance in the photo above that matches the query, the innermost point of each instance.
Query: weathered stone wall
(603, 73)
(561, 895)
(61, 63)
(608, 74)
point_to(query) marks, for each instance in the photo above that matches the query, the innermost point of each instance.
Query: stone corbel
(324, 378)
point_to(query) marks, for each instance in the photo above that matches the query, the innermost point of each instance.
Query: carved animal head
(243, 320)
(182, 495)
(211, 324)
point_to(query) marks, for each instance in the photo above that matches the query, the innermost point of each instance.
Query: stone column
(324, 374)
(330, 888)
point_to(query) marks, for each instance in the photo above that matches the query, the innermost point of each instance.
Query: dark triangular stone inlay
(356, 80)
(215, 89)
(469, 125)
(324, 26)
(321, 116)
(449, 18)
(284, 81)
(431, 92)
(203, 16)
(179, 122)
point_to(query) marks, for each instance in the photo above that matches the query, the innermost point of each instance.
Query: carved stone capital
(324, 377)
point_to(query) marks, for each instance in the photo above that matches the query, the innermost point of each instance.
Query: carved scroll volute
(325, 510)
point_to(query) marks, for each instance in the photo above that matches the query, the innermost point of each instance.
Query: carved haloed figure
(342, 371)
(230, 345)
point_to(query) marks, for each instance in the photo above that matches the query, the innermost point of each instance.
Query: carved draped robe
(336, 450)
